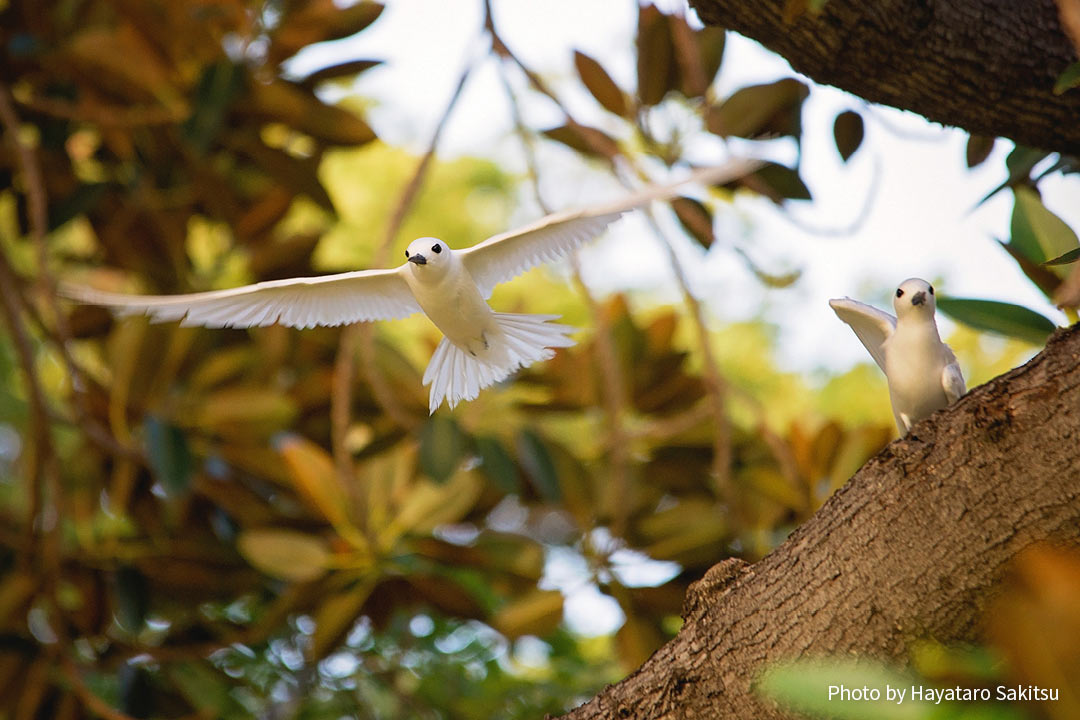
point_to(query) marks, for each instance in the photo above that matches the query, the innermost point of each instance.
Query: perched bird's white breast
(914, 360)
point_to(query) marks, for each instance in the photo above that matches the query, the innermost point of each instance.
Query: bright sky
(922, 222)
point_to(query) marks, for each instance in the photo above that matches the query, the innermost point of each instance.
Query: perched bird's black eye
(406, 253)
(931, 289)
(899, 292)
(436, 248)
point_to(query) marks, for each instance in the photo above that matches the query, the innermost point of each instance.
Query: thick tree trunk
(988, 66)
(914, 546)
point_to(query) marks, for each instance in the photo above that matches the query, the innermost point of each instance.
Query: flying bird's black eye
(436, 248)
(899, 292)
(406, 253)
(931, 289)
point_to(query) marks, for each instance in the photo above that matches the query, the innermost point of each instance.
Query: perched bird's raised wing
(509, 254)
(952, 380)
(872, 326)
(297, 302)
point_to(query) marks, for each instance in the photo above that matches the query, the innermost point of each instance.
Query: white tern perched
(480, 347)
(922, 371)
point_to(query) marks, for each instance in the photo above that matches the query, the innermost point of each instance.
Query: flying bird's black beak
(418, 259)
(918, 298)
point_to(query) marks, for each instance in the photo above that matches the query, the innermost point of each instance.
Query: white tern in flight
(480, 347)
(922, 371)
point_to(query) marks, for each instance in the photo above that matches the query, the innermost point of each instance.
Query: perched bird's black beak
(418, 259)
(918, 298)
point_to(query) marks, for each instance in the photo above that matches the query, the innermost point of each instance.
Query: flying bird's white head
(914, 297)
(429, 258)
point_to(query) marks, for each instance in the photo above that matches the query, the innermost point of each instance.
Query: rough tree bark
(988, 66)
(913, 546)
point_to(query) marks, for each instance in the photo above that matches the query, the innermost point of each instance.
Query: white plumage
(922, 371)
(480, 347)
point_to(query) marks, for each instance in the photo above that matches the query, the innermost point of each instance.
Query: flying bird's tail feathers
(519, 341)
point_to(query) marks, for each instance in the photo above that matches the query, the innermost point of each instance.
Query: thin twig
(715, 385)
(856, 223)
(60, 334)
(714, 381)
(40, 450)
(611, 375)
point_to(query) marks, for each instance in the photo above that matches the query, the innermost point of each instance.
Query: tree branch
(914, 546)
(987, 66)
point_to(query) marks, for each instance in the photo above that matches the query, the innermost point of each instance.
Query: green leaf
(848, 133)
(538, 465)
(81, 199)
(497, 465)
(1020, 162)
(1036, 232)
(1002, 318)
(131, 598)
(805, 686)
(1069, 257)
(442, 446)
(169, 455)
(205, 688)
(218, 86)
(1068, 80)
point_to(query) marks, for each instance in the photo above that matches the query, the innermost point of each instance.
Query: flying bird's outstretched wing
(507, 255)
(297, 302)
(872, 326)
(952, 380)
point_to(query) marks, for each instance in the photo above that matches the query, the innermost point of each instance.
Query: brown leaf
(316, 479)
(848, 133)
(121, 61)
(695, 219)
(978, 149)
(317, 21)
(1036, 623)
(447, 596)
(334, 72)
(299, 175)
(760, 109)
(711, 41)
(297, 108)
(1069, 10)
(1044, 278)
(335, 617)
(537, 613)
(586, 140)
(636, 640)
(600, 84)
(693, 81)
(656, 66)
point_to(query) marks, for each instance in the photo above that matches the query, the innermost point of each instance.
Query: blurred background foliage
(266, 522)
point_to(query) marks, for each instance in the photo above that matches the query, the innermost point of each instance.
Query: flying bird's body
(480, 346)
(921, 370)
